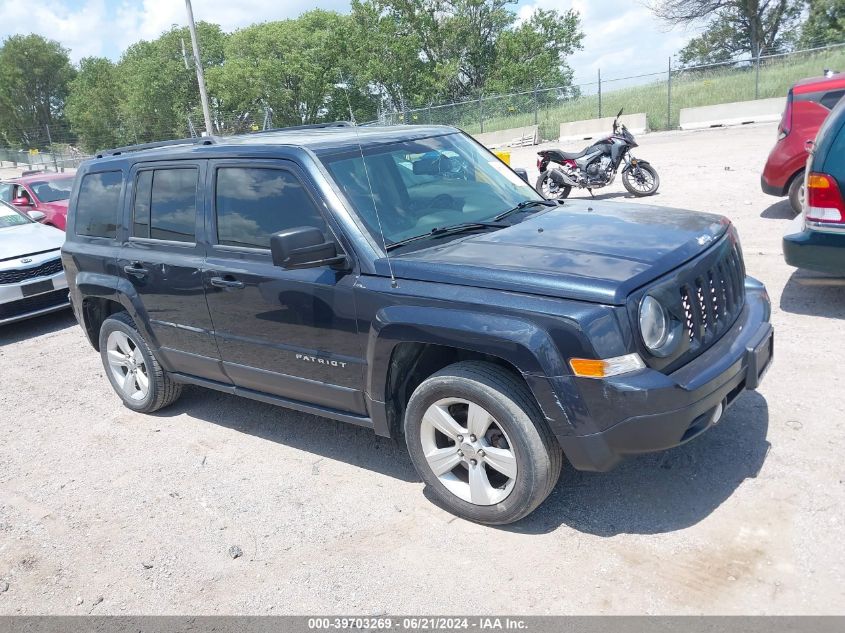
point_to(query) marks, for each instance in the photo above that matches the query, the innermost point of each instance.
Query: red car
(44, 192)
(807, 106)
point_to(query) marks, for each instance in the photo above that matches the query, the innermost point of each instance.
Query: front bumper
(18, 303)
(664, 411)
(814, 250)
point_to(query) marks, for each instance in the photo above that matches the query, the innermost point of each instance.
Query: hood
(586, 250)
(29, 238)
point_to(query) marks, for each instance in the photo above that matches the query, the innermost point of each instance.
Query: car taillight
(785, 126)
(824, 201)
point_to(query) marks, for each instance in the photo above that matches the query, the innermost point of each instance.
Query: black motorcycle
(596, 166)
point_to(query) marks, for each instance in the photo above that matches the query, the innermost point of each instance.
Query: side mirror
(38, 216)
(303, 247)
(522, 173)
(21, 202)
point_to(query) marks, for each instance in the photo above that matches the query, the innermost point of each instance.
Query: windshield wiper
(449, 230)
(525, 204)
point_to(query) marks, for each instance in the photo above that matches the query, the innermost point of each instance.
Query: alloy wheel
(468, 451)
(127, 366)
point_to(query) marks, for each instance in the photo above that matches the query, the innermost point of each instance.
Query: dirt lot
(106, 511)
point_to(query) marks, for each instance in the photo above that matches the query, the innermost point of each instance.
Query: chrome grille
(711, 301)
(22, 274)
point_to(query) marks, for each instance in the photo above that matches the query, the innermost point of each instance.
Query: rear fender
(117, 289)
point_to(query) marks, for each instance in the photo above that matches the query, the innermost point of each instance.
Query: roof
(323, 140)
(813, 84)
(39, 177)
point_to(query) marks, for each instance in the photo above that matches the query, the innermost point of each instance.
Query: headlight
(654, 324)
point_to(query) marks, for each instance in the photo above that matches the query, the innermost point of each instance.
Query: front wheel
(550, 189)
(480, 443)
(641, 179)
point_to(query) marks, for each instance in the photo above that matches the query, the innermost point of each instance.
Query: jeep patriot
(404, 279)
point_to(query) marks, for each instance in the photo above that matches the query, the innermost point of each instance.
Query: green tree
(825, 23)
(93, 105)
(291, 66)
(158, 91)
(733, 27)
(34, 77)
(450, 50)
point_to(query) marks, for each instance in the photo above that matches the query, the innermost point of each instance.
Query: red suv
(45, 192)
(807, 106)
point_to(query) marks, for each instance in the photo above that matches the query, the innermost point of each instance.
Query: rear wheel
(551, 189)
(132, 369)
(479, 441)
(641, 180)
(796, 193)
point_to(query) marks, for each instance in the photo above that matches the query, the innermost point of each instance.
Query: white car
(32, 280)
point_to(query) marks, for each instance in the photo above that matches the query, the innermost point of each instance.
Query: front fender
(640, 161)
(516, 341)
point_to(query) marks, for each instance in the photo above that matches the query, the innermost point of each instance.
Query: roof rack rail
(198, 140)
(310, 126)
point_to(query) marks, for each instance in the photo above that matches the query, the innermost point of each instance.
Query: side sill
(276, 400)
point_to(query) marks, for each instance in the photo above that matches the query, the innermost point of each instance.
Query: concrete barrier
(592, 128)
(514, 137)
(757, 111)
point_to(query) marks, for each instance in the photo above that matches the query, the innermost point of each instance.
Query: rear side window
(165, 205)
(830, 99)
(96, 208)
(253, 203)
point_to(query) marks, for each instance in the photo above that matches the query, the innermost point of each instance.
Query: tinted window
(166, 205)
(96, 208)
(830, 99)
(253, 203)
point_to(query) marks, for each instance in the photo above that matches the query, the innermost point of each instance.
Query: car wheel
(132, 369)
(479, 441)
(796, 193)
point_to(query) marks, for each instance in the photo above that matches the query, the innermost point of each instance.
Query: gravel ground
(106, 511)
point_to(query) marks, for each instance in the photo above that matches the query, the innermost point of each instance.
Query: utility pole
(200, 78)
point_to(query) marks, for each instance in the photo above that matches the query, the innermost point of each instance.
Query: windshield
(52, 190)
(425, 184)
(10, 217)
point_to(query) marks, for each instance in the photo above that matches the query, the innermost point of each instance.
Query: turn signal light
(605, 368)
(824, 199)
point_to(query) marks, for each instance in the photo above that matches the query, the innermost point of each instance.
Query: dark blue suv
(405, 280)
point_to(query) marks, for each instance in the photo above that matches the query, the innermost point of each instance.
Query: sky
(622, 37)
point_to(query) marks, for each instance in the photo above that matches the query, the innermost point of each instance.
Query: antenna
(393, 282)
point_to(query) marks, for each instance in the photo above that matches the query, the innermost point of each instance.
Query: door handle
(222, 282)
(136, 270)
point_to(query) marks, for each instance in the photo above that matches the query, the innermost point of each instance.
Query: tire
(119, 337)
(638, 188)
(796, 193)
(549, 189)
(517, 442)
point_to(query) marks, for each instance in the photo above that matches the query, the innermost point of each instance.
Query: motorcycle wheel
(551, 190)
(641, 180)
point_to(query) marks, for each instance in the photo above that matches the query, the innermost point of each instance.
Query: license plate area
(38, 288)
(760, 357)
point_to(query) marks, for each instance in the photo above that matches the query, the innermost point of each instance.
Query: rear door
(162, 259)
(290, 333)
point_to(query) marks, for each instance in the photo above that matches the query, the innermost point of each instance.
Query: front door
(290, 333)
(162, 259)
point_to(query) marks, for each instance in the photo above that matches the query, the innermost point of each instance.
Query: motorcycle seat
(559, 155)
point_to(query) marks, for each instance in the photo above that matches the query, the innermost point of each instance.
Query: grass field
(689, 89)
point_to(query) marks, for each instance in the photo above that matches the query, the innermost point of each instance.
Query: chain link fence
(660, 95)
